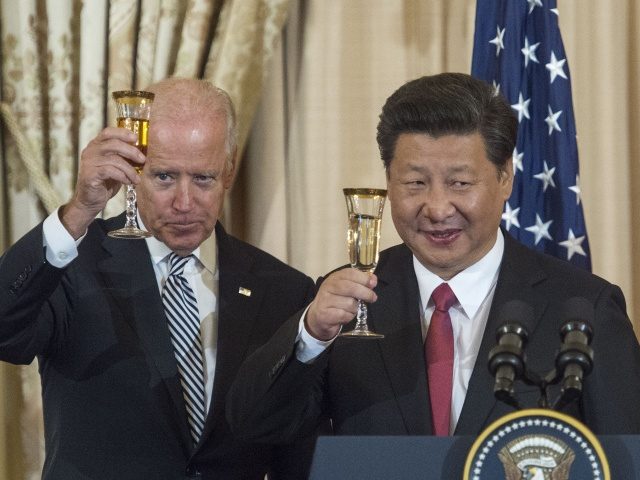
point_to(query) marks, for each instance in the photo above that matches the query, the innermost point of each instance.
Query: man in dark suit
(446, 142)
(91, 308)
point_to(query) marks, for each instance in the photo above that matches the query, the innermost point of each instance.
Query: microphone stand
(574, 361)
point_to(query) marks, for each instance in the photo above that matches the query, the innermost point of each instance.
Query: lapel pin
(244, 291)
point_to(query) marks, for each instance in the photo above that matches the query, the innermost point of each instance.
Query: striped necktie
(181, 309)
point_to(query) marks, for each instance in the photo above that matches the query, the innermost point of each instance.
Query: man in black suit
(90, 307)
(446, 142)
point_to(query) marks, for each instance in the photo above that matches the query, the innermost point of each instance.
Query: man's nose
(183, 197)
(437, 204)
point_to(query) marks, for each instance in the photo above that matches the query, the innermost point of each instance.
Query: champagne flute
(133, 110)
(364, 206)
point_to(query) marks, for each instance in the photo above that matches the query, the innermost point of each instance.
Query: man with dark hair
(446, 142)
(138, 341)
(448, 104)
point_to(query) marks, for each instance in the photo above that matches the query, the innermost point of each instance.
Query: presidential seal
(536, 444)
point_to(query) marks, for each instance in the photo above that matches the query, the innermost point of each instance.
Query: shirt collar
(471, 285)
(206, 252)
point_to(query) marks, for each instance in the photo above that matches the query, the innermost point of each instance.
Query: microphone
(507, 358)
(575, 358)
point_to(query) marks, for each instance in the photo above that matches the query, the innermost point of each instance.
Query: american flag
(518, 48)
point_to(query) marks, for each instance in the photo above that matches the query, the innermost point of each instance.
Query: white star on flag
(576, 189)
(573, 245)
(510, 216)
(498, 41)
(552, 120)
(540, 229)
(517, 161)
(529, 52)
(522, 107)
(555, 67)
(546, 176)
(533, 4)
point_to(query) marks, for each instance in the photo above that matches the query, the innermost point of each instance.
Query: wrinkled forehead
(210, 123)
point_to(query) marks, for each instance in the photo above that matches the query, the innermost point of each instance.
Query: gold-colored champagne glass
(133, 110)
(364, 206)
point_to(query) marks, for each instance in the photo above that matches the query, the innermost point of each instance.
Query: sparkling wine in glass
(133, 109)
(364, 206)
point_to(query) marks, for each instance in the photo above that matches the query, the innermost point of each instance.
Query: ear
(230, 169)
(506, 179)
(388, 182)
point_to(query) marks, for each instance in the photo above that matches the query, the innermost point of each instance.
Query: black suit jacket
(380, 387)
(112, 401)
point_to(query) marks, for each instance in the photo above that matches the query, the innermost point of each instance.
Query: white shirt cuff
(308, 347)
(60, 247)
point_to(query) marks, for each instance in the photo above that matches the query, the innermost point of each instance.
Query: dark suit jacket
(112, 401)
(379, 387)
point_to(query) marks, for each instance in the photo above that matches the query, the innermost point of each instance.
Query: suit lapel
(240, 295)
(396, 315)
(129, 271)
(517, 279)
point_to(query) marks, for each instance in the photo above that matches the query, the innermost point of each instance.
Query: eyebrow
(173, 170)
(461, 169)
(450, 169)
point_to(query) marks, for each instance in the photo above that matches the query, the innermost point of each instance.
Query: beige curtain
(60, 60)
(602, 47)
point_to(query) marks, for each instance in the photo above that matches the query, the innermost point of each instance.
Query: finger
(106, 167)
(323, 324)
(372, 281)
(340, 317)
(114, 134)
(354, 275)
(119, 133)
(108, 147)
(346, 287)
(120, 162)
(349, 305)
(114, 170)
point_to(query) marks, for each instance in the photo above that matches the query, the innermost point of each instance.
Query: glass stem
(361, 317)
(130, 198)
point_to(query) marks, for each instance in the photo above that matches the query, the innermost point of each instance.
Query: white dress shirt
(474, 288)
(201, 273)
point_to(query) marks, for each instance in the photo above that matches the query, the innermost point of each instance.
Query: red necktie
(438, 351)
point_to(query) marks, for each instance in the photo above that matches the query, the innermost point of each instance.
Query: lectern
(433, 458)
